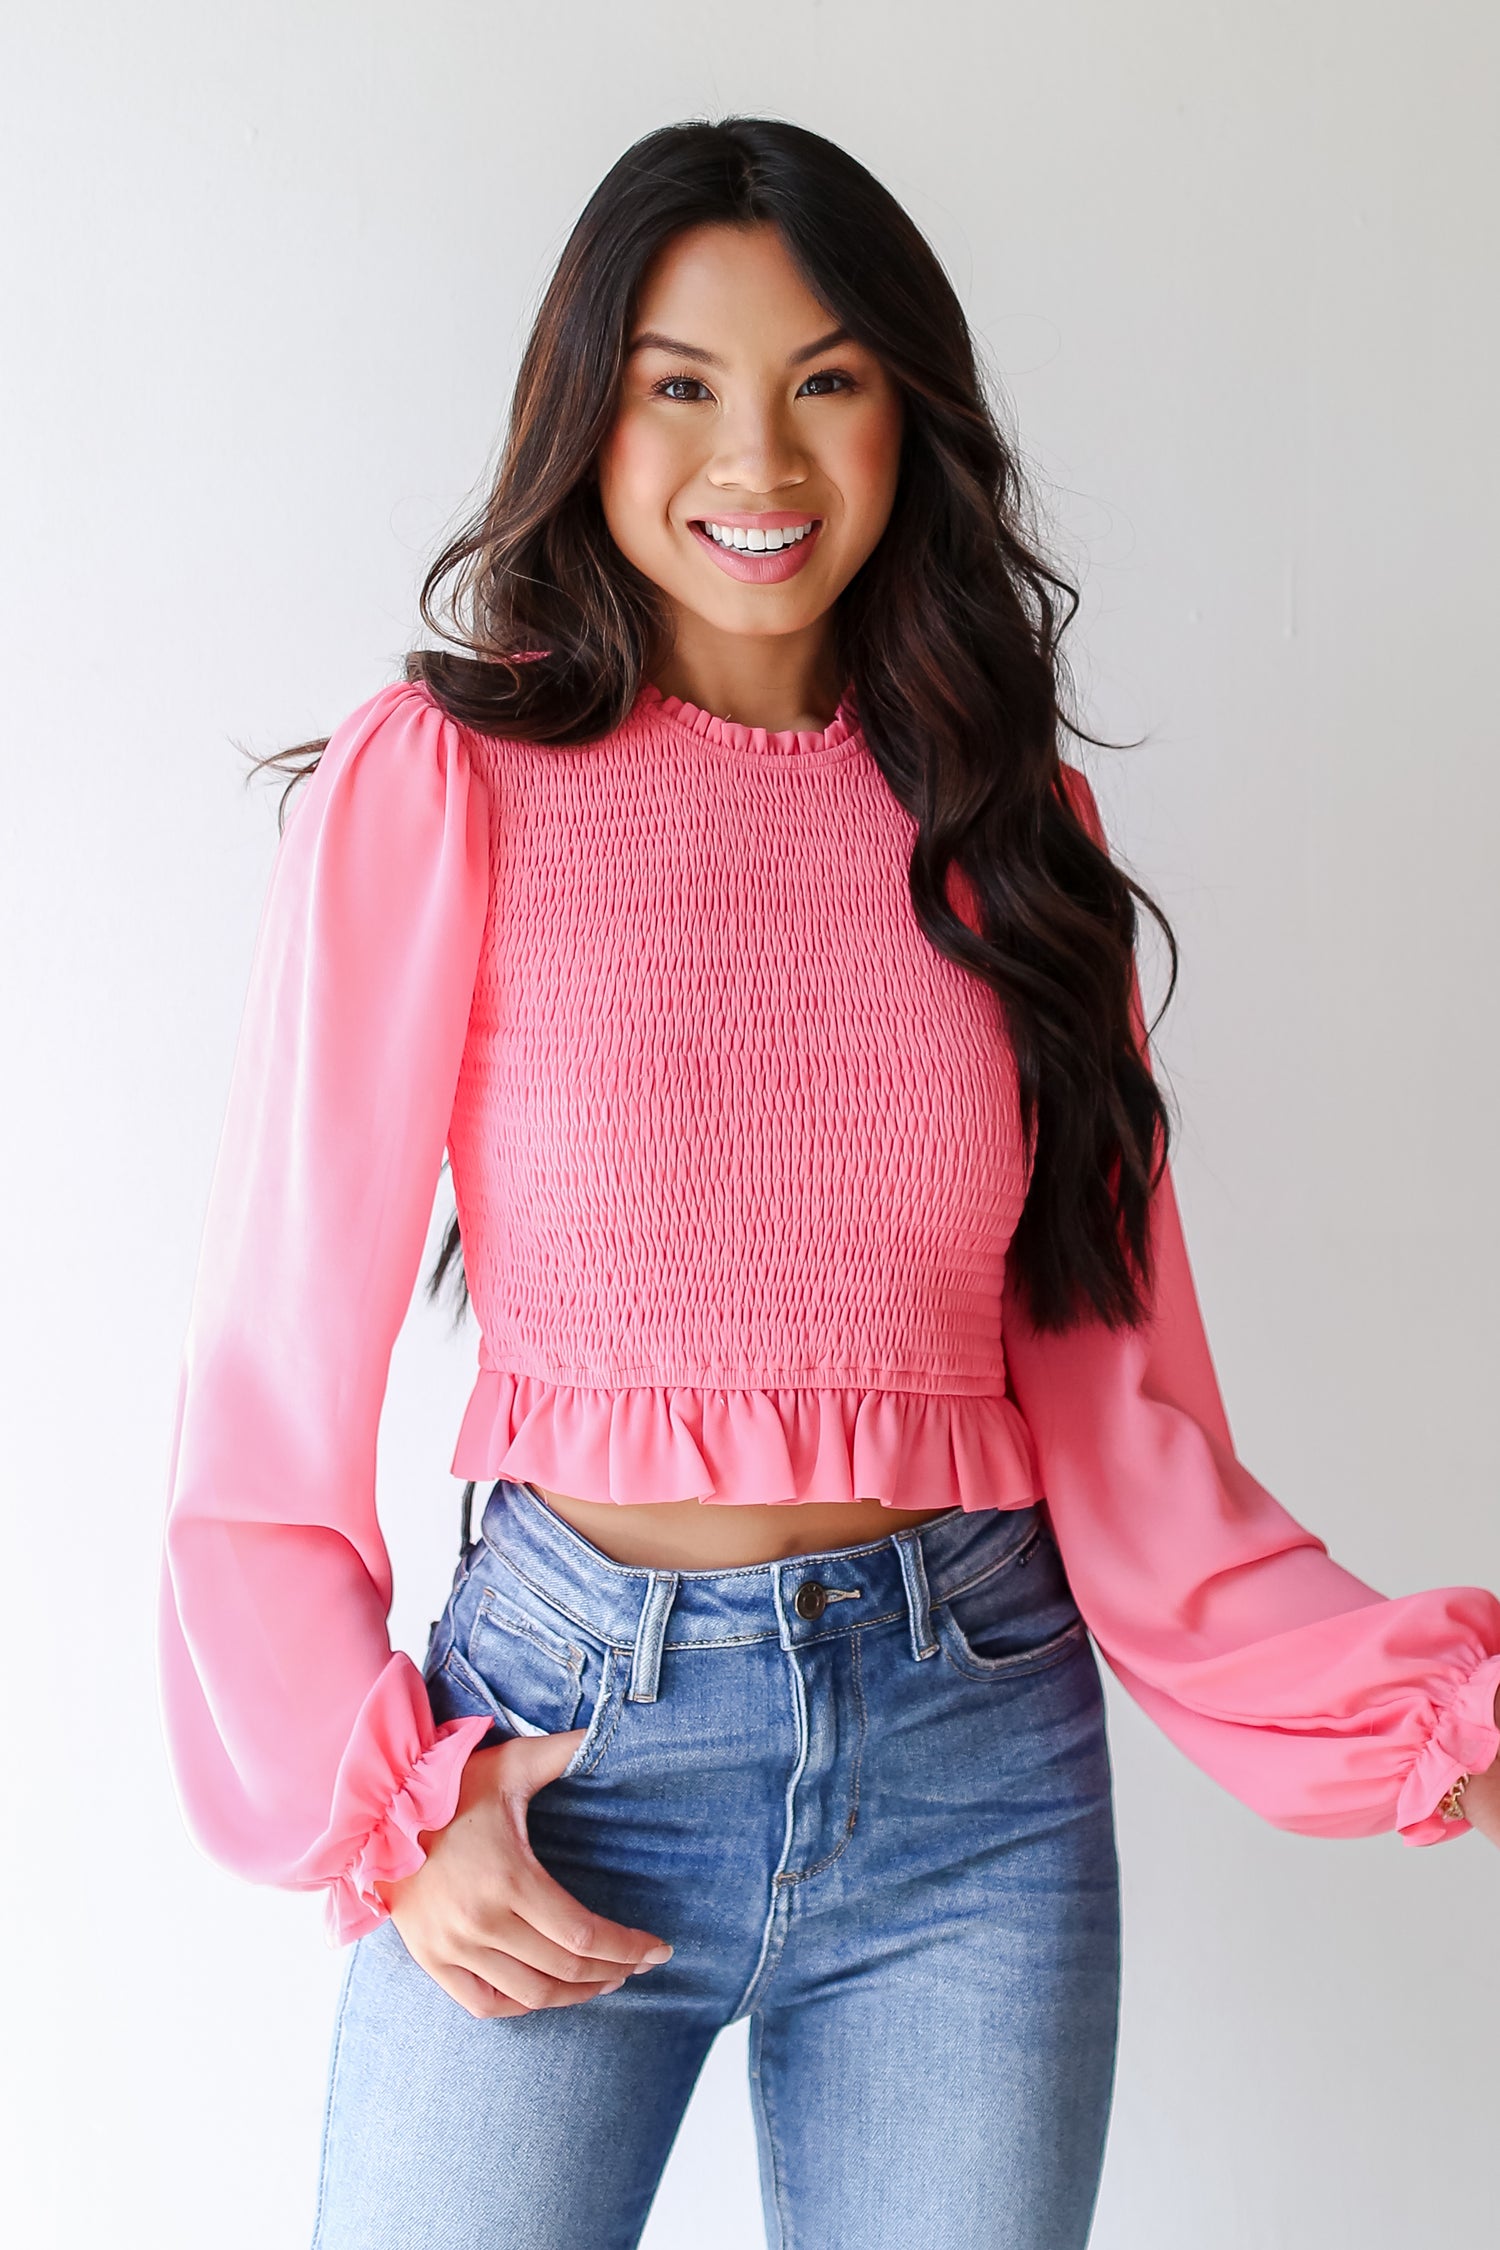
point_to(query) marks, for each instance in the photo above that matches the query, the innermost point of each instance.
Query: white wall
(266, 269)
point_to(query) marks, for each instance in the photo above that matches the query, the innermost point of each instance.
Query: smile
(760, 554)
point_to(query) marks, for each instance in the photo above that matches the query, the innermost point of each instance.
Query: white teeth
(758, 542)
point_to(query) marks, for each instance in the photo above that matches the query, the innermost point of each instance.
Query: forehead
(717, 285)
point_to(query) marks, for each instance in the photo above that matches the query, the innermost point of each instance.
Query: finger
(510, 1934)
(528, 1987)
(474, 1994)
(529, 1761)
(536, 1898)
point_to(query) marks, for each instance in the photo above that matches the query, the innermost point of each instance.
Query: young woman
(720, 901)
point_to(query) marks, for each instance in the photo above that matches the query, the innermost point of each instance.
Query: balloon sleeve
(1327, 1707)
(302, 1744)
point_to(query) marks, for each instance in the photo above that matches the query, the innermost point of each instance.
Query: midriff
(707, 1535)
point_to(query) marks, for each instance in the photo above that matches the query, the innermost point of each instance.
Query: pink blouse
(737, 1161)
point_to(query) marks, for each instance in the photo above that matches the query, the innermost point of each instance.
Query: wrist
(1476, 1790)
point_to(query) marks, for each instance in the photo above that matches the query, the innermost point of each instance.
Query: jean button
(810, 1599)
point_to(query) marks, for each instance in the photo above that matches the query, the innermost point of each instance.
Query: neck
(776, 681)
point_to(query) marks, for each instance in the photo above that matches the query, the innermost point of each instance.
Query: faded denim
(879, 1826)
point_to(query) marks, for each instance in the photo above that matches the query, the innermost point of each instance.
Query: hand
(484, 1918)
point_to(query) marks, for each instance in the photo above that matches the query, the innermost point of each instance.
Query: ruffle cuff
(409, 1768)
(1464, 1739)
(909, 1449)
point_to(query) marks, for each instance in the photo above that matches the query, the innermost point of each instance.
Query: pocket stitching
(586, 1758)
(1023, 1550)
(468, 1677)
(566, 1653)
(972, 1665)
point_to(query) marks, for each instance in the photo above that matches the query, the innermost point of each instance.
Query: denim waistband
(797, 1600)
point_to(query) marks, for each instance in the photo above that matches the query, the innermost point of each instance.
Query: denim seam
(803, 1640)
(320, 2212)
(1026, 1547)
(801, 1874)
(544, 1593)
(730, 1640)
(566, 1653)
(770, 1942)
(592, 1754)
(773, 2147)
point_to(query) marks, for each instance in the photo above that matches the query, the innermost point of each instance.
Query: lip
(760, 570)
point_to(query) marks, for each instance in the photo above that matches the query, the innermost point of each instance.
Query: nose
(757, 454)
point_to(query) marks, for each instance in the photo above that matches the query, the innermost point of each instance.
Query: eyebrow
(652, 340)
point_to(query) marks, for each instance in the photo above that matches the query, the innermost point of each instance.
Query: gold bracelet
(1451, 1807)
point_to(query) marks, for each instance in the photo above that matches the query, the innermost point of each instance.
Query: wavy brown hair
(949, 637)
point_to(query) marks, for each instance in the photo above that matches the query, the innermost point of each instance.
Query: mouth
(759, 552)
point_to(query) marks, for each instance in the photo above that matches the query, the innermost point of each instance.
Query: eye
(674, 387)
(666, 387)
(831, 375)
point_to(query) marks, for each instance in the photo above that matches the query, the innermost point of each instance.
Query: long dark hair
(949, 636)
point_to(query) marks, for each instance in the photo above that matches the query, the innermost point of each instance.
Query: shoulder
(400, 741)
(396, 773)
(403, 718)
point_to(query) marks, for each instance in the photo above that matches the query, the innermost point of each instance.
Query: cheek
(638, 474)
(869, 462)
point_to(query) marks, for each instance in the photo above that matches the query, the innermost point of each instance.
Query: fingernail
(654, 1958)
(611, 1987)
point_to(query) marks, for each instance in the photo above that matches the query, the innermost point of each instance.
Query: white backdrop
(266, 273)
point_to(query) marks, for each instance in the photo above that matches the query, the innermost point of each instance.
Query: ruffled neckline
(839, 738)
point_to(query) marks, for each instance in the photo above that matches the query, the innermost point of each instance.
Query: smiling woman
(721, 447)
(721, 901)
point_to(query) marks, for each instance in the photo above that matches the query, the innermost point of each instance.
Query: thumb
(532, 1760)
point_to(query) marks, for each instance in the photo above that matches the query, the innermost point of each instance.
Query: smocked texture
(737, 1162)
(736, 1152)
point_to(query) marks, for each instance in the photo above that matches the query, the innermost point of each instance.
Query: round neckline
(837, 739)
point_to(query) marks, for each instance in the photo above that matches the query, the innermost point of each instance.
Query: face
(743, 409)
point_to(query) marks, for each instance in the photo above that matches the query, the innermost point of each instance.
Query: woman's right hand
(484, 1918)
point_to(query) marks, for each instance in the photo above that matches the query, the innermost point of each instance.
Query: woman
(721, 903)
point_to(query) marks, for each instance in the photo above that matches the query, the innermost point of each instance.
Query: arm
(1326, 1707)
(303, 1746)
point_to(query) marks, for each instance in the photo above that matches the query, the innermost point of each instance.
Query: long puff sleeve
(303, 1746)
(1325, 1706)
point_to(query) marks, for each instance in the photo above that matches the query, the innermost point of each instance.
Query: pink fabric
(672, 1441)
(736, 1157)
(736, 1153)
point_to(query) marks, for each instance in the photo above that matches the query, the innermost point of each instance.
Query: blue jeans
(865, 1794)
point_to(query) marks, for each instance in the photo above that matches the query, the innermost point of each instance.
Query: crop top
(736, 1156)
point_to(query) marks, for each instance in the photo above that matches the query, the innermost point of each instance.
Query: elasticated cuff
(426, 1798)
(1464, 1739)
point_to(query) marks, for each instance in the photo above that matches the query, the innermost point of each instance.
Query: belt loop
(918, 1600)
(645, 1665)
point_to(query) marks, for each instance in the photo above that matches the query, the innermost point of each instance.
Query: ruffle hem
(907, 1449)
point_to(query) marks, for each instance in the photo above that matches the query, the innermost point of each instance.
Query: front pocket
(531, 1677)
(974, 1665)
(1019, 1617)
